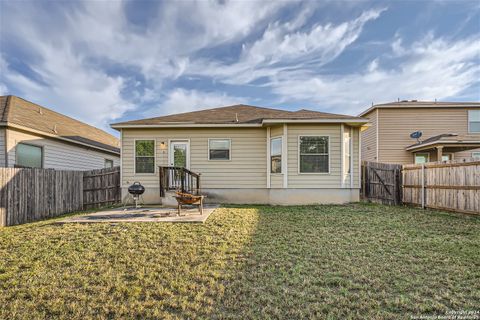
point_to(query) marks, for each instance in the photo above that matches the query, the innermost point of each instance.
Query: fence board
(28, 195)
(453, 186)
(381, 182)
(101, 187)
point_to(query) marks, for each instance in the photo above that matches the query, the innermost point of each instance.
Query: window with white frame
(314, 154)
(476, 155)
(447, 156)
(422, 158)
(276, 155)
(144, 156)
(28, 156)
(474, 121)
(219, 149)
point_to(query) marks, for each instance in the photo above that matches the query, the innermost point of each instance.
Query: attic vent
(55, 128)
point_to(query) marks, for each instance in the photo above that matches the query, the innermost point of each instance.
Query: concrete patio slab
(147, 214)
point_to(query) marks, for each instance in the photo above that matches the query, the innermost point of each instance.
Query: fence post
(363, 179)
(423, 186)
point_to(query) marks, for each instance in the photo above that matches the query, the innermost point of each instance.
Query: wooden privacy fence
(381, 182)
(28, 195)
(101, 187)
(453, 186)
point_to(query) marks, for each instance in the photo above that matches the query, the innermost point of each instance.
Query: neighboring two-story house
(34, 136)
(449, 131)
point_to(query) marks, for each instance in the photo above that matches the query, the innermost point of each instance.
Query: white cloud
(89, 60)
(433, 68)
(68, 51)
(284, 47)
(181, 100)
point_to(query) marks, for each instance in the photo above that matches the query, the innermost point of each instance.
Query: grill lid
(136, 188)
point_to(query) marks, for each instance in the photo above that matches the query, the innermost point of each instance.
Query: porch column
(439, 154)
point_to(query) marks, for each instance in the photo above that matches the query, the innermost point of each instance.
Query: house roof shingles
(15, 110)
(228, 115)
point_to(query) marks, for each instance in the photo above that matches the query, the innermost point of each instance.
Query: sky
(110, 61)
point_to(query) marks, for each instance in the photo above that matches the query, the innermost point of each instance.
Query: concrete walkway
(146, 214)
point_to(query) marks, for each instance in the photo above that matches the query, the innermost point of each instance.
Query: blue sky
(109, 61)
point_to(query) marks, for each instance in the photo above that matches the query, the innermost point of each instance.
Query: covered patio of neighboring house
(442, 147)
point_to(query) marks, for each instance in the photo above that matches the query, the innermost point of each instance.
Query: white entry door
(179, 155)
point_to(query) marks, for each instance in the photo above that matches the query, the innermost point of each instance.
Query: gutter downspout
(342, 155)
(269, 169)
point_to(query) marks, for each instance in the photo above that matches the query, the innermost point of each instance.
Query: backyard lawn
(354, 261)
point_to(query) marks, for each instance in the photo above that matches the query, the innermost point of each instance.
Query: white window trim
(476, 154)
(33, 145)
(452, 155)
(230, 155)
(469, 130)
(281, 156)
(298, 155)
(420, 153)
(135, 157)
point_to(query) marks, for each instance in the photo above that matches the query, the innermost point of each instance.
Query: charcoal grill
(136, 190)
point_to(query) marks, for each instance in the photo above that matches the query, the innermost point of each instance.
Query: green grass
(355, 261)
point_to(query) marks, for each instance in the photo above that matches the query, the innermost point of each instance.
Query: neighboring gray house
(34, 136)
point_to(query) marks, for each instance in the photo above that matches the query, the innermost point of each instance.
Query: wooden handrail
(178, 178)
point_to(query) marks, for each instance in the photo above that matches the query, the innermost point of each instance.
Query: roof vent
(414, 101)
(55, 129)
(236, 117)
(404, 101)
(40, 110)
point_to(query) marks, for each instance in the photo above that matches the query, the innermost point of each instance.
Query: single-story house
(248, 154)
(34, 136)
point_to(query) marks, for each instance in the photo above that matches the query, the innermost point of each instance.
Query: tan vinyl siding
(2, 147)
(395, 126)
(320, 180)
(57, 154)
(246, 169)
(369, 140)
(276, 180)
(276, 131)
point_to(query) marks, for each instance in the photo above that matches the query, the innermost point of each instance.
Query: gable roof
(236, 115)
(17, 112)
(420, 104)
